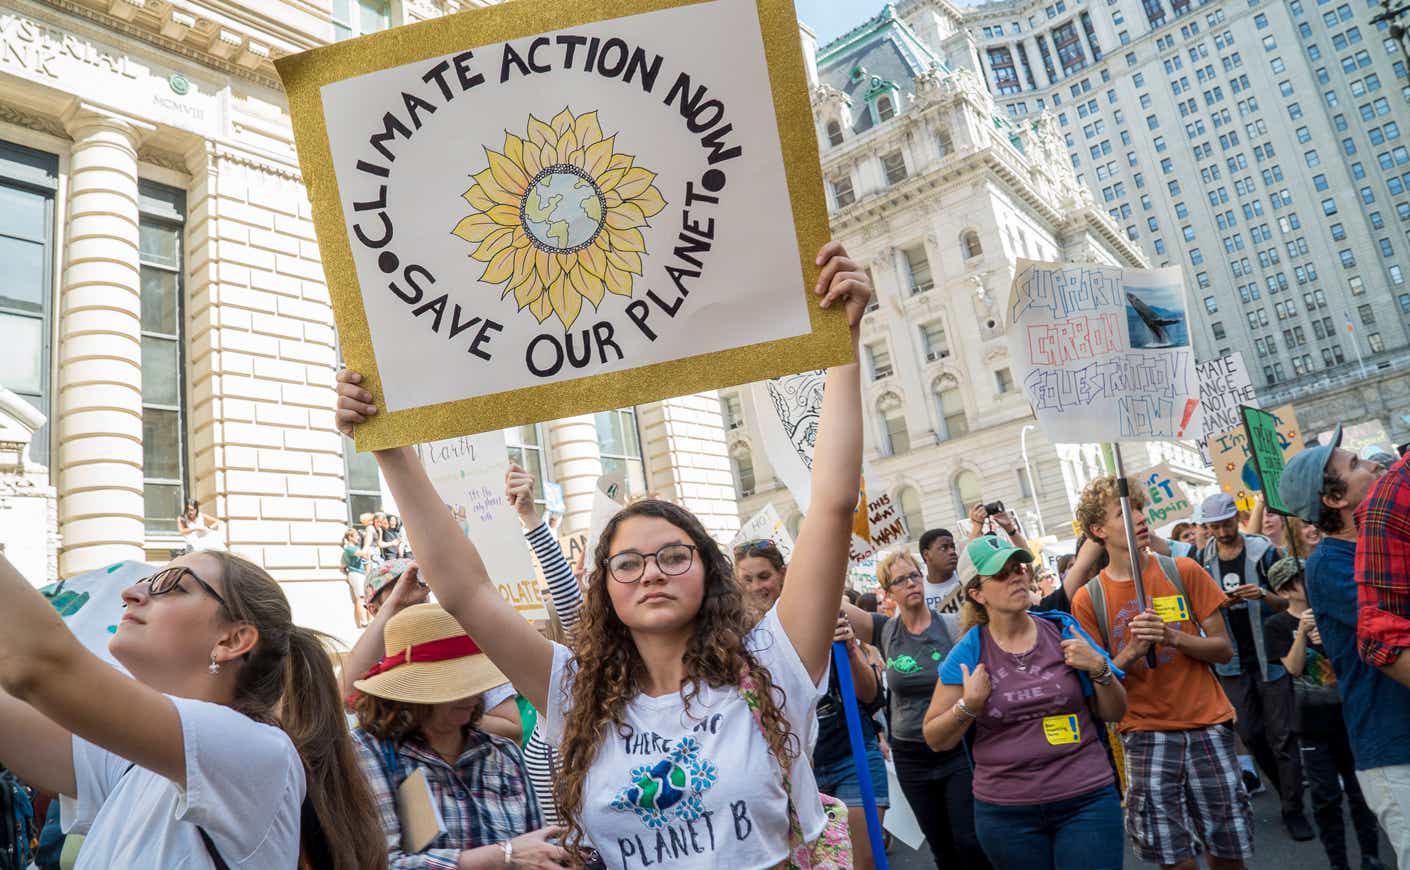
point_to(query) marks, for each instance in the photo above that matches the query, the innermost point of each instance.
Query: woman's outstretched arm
(808, 606)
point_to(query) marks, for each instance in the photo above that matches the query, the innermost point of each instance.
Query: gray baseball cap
(1217, 508)
(1301, 485)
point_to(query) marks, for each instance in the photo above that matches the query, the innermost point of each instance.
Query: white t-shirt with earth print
(699, 789)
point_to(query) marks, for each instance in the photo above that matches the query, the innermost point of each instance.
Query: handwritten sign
(1224, 385)
(1266, 449)
(1104, 353)
(468, 475)
(767, 525)
(1233, 464)
(878, 526)
(1166, 499)
(534, 210)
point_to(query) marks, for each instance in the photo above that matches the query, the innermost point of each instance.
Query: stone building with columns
(939, 194)
(163, 305)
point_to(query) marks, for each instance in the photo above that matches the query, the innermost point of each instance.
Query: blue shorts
(839, 779)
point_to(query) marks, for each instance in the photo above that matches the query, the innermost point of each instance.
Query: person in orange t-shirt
(1183, 780)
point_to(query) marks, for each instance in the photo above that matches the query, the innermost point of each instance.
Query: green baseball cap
(990, 553)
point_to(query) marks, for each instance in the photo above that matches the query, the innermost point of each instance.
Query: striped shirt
(484, 799)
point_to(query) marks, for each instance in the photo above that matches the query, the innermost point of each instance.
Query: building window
(885, 108)
(967, 491)
(1003, 382)
(1024, 490)
(918, 264)
(842, 192)
(834, 133)
(909, 500)
(1368, 315)
(952, 415)
(743, 465)
(1005, 75)
(880, 359)
(620, 443)
(164, 471)
(932, 335)
(525, 445)
(1375, 343)
(732, 409)
(360, 17)
(894, 165)
(898, 438)
(969, 244)
(27, 183)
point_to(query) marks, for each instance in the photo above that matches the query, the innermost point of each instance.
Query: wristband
(508, 848)
(964, 712)
(1105, 676)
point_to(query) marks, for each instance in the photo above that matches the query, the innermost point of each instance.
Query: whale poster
(1103, 353)
(539, 209)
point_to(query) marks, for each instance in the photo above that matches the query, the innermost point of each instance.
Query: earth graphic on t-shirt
(673, 787)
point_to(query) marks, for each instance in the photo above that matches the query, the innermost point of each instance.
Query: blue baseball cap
(1301, 484)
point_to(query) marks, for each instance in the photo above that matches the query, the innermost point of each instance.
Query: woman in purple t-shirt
(1044, 792)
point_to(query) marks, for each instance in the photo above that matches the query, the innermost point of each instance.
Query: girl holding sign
(684, 733)
(1029, 683)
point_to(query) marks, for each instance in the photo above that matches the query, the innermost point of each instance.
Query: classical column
(577, 464)
(99, 391)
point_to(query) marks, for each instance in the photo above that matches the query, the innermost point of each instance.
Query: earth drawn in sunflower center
(563, 211)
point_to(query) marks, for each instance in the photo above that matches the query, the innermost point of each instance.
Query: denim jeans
(1083, 831)
(1387, 791)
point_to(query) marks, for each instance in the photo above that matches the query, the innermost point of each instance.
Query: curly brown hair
(1100, 492)
(397, 720)
(715, 656)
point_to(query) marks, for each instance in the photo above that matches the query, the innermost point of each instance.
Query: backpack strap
(218, 861)
(1172, 573)
(1094, 589)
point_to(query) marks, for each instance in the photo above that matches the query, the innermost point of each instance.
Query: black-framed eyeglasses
(905, 580)
(745, 549)
(169, 579)
(628, 566)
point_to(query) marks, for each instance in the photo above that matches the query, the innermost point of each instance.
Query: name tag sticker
(1061, 730)
(1171, 608)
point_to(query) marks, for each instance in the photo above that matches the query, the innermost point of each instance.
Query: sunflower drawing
(558, 216)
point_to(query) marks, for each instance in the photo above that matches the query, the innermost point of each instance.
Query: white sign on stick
(468, 474)
(1224, 385)
(1103, 352)
(767, 524)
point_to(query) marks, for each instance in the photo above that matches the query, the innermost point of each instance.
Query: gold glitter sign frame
(566, 216)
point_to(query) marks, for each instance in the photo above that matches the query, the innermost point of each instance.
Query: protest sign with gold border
(539, 209)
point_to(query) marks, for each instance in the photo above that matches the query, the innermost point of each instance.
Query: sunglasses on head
(754, 547)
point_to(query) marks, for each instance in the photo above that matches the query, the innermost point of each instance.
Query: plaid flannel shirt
(484, 799)
(1383, 568)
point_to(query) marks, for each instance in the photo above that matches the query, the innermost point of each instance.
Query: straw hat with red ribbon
(429, 660)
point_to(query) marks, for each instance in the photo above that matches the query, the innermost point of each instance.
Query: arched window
(896, 438)
(743, 464)
(969, 244)
(834, 133)
(953, 422)
(885, 108)
(909, 500)
(967, 491)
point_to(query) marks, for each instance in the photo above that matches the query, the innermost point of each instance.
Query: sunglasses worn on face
(169, 579)
(628, 566)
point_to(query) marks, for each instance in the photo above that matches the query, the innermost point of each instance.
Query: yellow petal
(514, 148)
(527, 292)
(504, 215)
(562, 122)
(627, 240)
(609, 180)
(540, 133)
(509, 174)
(598, 156)
(620, 161)
(627, 261)
(565, 301)
(612, 198)
(636, 182)
(523, 266)
(478, 199)
(474, 228)
(541, 307)
(531, 163)
(650, 201)
(499, 268)
(548, 154)
(567, 144)
(618, 282)
(588, 130)
(626, 216)
(587, 285)
(494, 190)
(547, 266)
(594, 259)
(494, 243)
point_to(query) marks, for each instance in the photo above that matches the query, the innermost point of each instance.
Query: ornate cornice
(12, 114)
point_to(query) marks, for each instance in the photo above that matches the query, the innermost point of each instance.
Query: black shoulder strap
(210, 848)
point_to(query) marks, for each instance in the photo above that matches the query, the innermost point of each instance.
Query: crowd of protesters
(685, 709)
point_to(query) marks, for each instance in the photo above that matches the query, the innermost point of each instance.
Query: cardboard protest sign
(1233, 465)
(878, 526)
(1166, 499)
(767, 524)
(468, 474)
(1266, 449)
(1103, 352)
(1224, 385)
(540, 209)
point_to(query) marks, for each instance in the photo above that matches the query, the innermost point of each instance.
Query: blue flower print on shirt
(673, 787)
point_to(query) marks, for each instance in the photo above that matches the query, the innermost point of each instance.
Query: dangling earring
(214, 666)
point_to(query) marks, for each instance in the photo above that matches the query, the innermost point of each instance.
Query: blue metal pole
(859, 752)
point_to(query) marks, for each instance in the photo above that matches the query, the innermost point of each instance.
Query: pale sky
(830, 19)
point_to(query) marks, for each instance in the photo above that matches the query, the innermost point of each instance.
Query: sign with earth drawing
(539, 209)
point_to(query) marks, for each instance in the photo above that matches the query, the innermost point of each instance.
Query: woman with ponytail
(226, 747)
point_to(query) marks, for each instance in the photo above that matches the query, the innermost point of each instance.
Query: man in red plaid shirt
(1383, 574)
